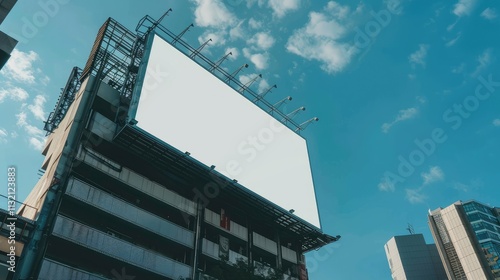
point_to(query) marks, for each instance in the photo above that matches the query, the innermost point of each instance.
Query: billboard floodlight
(219, 62)
(200, 48)
(231, 76)
(262, 95)
(247, 85)
(303, 125)
(182, 33)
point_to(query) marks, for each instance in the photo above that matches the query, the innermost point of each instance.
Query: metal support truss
(65, 99)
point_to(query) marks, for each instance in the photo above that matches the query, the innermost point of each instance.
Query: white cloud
(36, 136)
(323, 26)
(260, 3)
(254, 24)
(386, 185)
(244, 79)
(21, 119)
(33, 130)
(459, 69)
(234, 53)
(421, 99)
(18, 94)
(282, 7)
(213, 13)
(485, 57)
(483, 61)
(451, 26)
(37, 143)
(433, 175)
(320, 39)
(403, 115)
(337, 10)
(14, 93)
(262, 40)
(464, 7)
(237, 32)
(21, 69)
(386, 127)
(489, 14)
(473, 185)
(260, 60)
(406, 114)
(37, 107)
(218, 37)
(461, 187)
(418, 57)
(261, 83)
(20, 66)
(3, 135)
(294, 67)
(454, 40)
(221, 24)
(438, 11)
(415, 196)
(44, 79)
(496, 122)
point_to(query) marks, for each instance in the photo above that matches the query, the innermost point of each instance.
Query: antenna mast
(410, 229)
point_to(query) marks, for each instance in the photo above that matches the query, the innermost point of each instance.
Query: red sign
(225, 222)
(303, 272)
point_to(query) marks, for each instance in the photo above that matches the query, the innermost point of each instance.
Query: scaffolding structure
(65, 99)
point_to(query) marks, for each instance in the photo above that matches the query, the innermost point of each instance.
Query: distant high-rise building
(467, 235)
(7, 43)
(410, 258)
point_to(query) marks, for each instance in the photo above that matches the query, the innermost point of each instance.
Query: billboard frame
(139, 85)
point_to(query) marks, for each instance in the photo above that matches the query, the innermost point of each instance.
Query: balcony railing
(211, 249)
(235, 229)
(53, 270)
(261, 269)
(121, 250)
(129, 212)
(288, 277)
(265, 243)
(137, 181)
(289, 254)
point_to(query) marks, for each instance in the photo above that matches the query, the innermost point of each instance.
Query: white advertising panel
(189, 108)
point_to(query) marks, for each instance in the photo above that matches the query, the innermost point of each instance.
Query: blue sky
(407, 94)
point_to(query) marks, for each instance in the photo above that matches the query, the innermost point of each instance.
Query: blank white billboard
(189, 108)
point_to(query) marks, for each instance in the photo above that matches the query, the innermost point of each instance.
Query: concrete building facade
(410, 258)
(7, 43)
(457, 230)
(115, 201)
